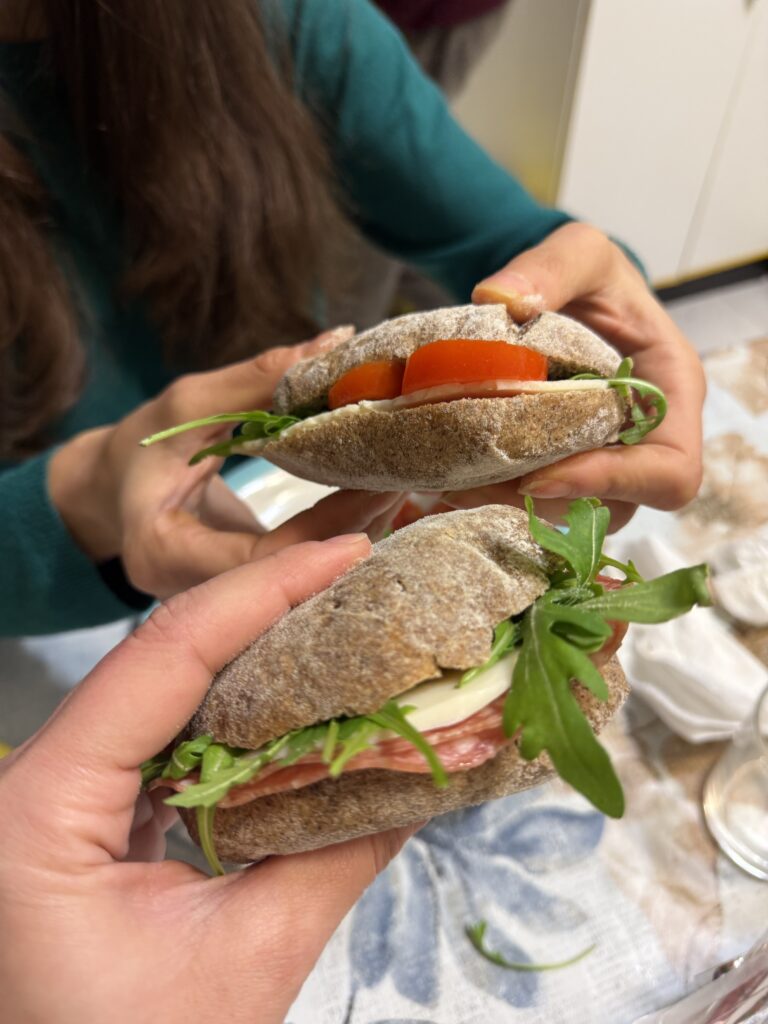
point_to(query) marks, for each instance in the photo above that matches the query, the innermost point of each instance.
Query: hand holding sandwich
(578, 271)
(174, 527)
(87, 936)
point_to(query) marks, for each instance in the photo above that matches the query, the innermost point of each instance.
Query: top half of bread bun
(428, 598)
(570, 347)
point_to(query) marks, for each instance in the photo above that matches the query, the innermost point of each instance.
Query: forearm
(49, 583)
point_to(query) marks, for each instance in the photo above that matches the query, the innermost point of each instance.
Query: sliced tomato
(369, 382)
(461, 361)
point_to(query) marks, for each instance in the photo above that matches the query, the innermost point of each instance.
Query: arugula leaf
(153, 769)
(204, 817)
(542, 705)
(581, 546)
(506, 637)
(186, 757)
(242, 769)
(393, 717)
(354, 735)
(559, 632)
(301, 742)
(256, 425)
(642, 422)
(631, 575)
(657, 600)
(476, 935)
(224, 769)
(331, 739)
(215, 758)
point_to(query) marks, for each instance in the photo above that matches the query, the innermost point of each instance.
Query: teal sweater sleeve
(418, 185)
(48, 583)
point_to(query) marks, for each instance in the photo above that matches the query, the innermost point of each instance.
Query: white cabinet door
(731, 220)
(655, 81)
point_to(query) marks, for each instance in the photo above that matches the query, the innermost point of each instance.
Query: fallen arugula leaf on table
(476, 935)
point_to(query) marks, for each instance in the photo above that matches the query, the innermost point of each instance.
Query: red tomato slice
(461, 361)
(368, 382)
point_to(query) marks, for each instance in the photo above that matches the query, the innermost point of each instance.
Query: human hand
(578, 271)
(88, 936)
(174, 525)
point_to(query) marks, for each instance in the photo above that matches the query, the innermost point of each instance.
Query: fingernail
(348, 540)
(547, 489)
(515, 291)
(521, 284)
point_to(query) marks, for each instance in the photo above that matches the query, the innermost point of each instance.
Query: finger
(342, 512)
(553, 510)
(644, 474)
(665, 469)
(310, 894)
(573, 261)
(151, 820)
(221, 509)
(246, 385)
(139, 697)
(379, 527)
(174, 550)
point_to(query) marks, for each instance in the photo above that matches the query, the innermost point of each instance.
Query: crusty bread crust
(428, 598)
(446, 446)
(570, 347)
(371, 801)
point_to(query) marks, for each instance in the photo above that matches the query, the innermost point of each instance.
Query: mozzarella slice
(439, 703)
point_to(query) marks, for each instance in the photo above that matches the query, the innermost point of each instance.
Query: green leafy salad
(259, 425)
(553, 640)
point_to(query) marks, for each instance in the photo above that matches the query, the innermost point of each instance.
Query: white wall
(646, 117)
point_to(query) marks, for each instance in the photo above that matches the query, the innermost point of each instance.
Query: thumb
(302, 899)
(571, 263)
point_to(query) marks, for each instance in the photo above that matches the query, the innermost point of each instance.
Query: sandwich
(444, 400)
(471, 656)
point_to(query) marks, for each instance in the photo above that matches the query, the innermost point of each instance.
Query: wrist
(76, 487)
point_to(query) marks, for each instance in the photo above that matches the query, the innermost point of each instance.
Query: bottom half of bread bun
(361, 802)
(455, 445)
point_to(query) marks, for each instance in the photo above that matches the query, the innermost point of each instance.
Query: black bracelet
(113, 575)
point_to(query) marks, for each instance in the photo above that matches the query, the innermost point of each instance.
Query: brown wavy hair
(187, 112)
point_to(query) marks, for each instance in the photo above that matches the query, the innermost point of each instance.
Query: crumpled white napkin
(692, 671)
(741, 577)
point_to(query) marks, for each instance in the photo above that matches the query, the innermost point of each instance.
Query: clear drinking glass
(736, 795)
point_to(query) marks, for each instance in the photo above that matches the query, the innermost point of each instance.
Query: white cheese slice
(482, 389)
(438, 703)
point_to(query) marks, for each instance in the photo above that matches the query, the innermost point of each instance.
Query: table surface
(550, 875)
